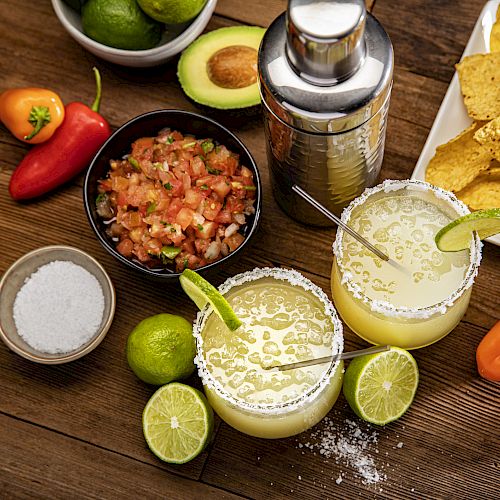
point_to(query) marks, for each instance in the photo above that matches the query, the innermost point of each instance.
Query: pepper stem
(97, 101)
(39, 117)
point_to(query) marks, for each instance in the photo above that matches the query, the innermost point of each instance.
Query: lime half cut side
(201, 292)
(177, 423)
(381, 387)
(457, 234)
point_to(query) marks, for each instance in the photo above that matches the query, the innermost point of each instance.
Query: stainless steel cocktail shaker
(325, 75)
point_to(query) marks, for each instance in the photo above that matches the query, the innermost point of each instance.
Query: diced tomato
(153, 246)
(119, 183)
(173, 209)
(234, 241)
(246, 172)
(212, 208)
(207, 230)
(197, 167)
(234, 205)
(105, 185)
(141, 145)
(131, 219)
(184, 217)
(188, 246)
(125, 247)
(222, 187)
(201, 246)
(224, 217)
(193, 198)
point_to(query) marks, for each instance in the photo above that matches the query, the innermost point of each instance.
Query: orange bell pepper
(488, 355)
(31, 114)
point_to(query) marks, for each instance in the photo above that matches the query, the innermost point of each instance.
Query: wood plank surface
(74, 430)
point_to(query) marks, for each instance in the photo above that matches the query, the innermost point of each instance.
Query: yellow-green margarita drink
(285, 319)
(420, 299)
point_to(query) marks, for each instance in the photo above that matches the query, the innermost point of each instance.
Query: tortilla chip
(479, 77)
(458, 162)
(484, 191)
(489, 137)
(495, 34)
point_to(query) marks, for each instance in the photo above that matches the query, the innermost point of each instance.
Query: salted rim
(384, 307)
(294, 278)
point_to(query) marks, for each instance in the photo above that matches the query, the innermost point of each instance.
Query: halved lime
(381, 387)
(201, 292)
(457, 234)
(177, 423)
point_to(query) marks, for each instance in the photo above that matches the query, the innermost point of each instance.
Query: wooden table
(74, 431)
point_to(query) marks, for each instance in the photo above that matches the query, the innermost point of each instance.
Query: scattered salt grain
(400, 445)
(59, 308)
(349, 443)
(339, 480)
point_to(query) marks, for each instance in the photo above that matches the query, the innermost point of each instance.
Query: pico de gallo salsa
(176, 201)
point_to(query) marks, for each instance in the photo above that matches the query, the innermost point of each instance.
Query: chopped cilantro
(167, 186)
(170, 139)
(100, 198)
(134, 163)
(189, 145)
(165, 223)
(173, 230)
(151, 208)
(186, 262)
(204, 187)
(200, 227)
(213, 171)
(249, 188)
(207, 146)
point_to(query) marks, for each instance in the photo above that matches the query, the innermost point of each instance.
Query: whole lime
(120, 24)
(172, 11)
(161, 349)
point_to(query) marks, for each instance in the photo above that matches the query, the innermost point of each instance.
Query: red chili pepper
(65, 154)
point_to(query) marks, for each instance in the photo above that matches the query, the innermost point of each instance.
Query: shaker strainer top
(325, 66)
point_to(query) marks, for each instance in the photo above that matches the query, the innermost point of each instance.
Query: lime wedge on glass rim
(201, 292)
(381, 387)
(177, 423)
(457, 234)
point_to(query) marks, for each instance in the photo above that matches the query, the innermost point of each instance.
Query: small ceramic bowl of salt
(56, 305)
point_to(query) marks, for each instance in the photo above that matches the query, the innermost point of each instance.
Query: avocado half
(219, 69)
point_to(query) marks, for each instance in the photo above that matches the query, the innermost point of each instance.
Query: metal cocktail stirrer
(327, 359)
(316, 204)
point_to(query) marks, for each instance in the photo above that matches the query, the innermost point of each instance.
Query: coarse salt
(59, 308)
(347, 443)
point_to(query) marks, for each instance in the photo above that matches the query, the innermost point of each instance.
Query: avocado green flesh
(193, 74)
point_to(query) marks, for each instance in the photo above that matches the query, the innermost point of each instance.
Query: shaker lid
(325, 66)
(325, 42)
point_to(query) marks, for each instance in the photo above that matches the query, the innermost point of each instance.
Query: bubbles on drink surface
(282, 323)
(403, 227)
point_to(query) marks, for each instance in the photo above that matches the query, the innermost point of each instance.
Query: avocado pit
(233, 67)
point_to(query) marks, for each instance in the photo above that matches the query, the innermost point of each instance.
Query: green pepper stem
(97, 101)
(39, 117)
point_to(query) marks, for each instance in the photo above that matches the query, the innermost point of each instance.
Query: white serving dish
(167, 48)
(452, 116)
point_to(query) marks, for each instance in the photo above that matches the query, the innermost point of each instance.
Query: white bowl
(167, 48)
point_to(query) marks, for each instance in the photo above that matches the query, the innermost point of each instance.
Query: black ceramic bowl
(149, 124)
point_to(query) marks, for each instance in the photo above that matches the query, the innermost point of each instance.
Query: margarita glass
(286, 318)
(422, 297)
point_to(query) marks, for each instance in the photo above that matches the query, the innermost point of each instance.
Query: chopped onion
(165, 166)
(198, 218)
(213, 250)
(231, 229)
(239, 218)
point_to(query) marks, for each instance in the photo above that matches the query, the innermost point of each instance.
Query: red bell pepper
(68, 152)
(488, 355)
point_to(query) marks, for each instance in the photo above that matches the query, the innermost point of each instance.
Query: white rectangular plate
(452, 116)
